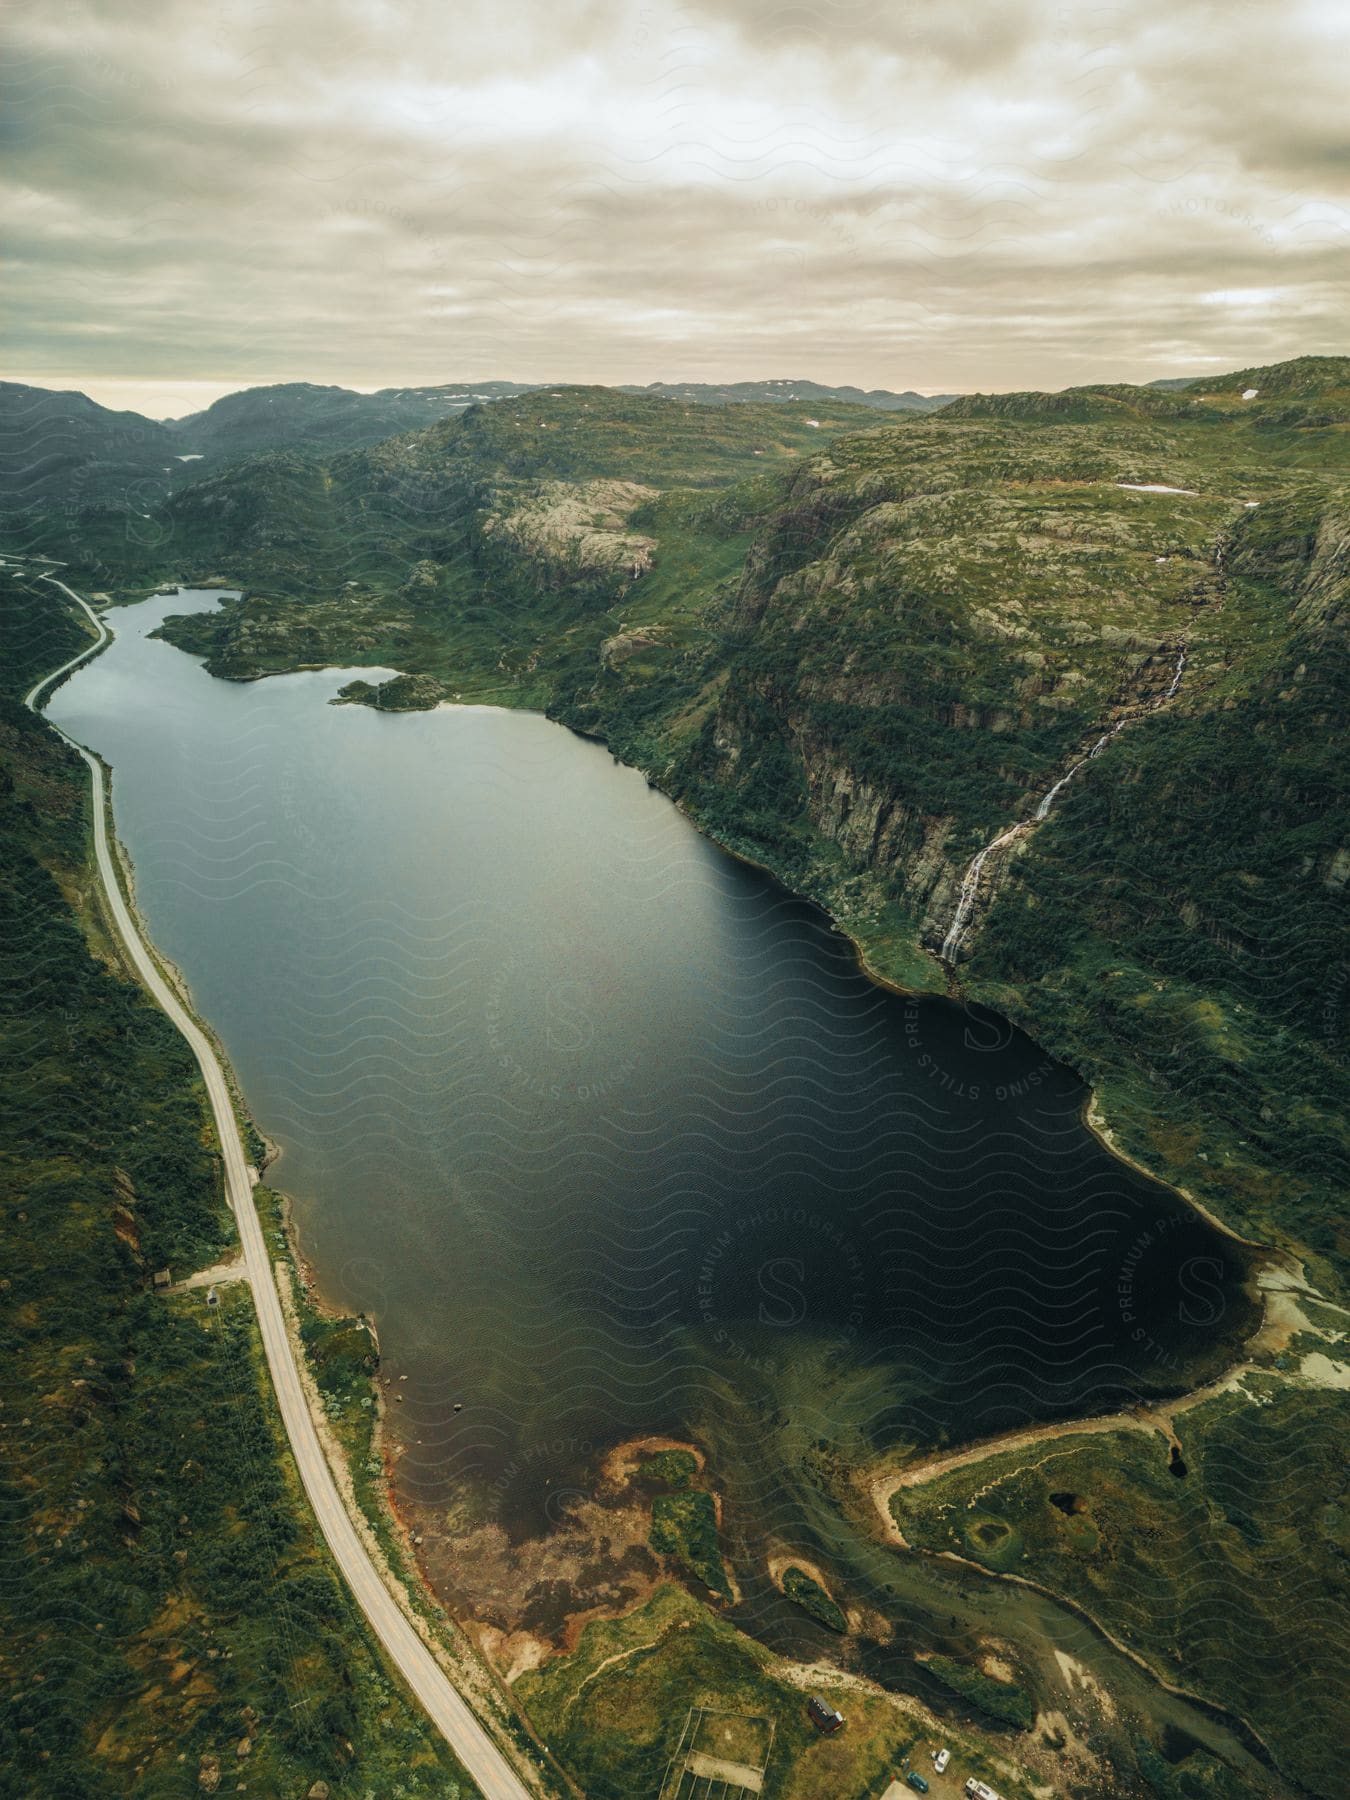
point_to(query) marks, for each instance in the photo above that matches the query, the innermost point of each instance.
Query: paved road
(448, 1711)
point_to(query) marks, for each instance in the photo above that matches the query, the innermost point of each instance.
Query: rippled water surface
(606, 1130)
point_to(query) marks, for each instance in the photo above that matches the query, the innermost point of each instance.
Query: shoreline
(1282, 1320)
(445, 1636)
(1092, 1116)
(951, 989)
(1150, 1416)
(1091, 1113)
(413, 1652)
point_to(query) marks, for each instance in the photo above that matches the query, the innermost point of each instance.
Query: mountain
(64, 447)
(297, 415)
(300, 416)
(568, 456)
(704, 393)
(1302, 378)
(1100, 402)
(1310, 390)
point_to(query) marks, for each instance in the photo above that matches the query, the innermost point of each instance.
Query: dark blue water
(605, 1129)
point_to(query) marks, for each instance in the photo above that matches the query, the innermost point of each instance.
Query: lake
(612, 1138)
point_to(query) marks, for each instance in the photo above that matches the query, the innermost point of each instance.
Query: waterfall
(1048, 799)
(970, 886)
(970, 881)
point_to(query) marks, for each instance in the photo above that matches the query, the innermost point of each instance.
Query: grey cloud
(920, 196)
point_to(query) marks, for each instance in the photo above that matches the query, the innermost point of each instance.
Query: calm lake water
(605, 1130)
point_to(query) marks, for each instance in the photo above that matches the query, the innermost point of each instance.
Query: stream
(970, 881)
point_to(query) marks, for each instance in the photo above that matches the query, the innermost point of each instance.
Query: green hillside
(1309, 391)
(300, 415)
(64, 449)
(708, 393)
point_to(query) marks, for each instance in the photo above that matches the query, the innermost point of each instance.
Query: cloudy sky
(907, 193)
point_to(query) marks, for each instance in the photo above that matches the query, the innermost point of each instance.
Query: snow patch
(1323, 1371)
(1154, 487)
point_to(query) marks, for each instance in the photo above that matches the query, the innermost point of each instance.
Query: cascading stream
(1048, 800)
(970, 886)
(970, 882)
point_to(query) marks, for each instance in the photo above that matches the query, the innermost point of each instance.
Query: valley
(1036, 697)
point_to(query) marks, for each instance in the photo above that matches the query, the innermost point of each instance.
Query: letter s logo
(985, 1031)
(780, 1280)
(569, 1028)
(1200, 1280)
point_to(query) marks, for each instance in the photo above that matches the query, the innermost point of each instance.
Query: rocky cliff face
(877, 830)
(923, 642)
(576, 530)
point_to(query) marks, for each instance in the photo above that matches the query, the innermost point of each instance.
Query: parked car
(917, 1782)
(940, 1761)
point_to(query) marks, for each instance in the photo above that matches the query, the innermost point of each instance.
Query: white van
(941, 1759)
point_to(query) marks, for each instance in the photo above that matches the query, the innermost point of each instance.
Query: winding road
(445, 1706)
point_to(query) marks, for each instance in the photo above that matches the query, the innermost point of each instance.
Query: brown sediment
(621, 1464)
(523, 1601)
(780, 1563)
(994, 1665)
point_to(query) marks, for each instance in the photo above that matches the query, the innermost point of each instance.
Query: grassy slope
(616, 1706)
(1179, 927)
(164, 1596)
(1232, 1581)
